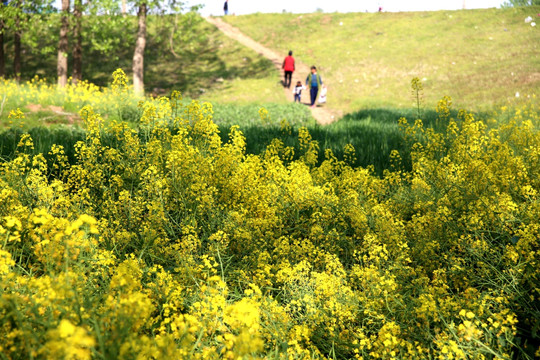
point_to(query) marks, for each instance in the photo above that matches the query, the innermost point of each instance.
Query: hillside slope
(478, 57)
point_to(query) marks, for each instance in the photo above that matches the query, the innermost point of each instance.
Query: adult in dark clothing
(226, 7)
(314, 82)
(288, 67)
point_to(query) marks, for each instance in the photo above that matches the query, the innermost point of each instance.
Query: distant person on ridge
(226, 7)
(288, 67)
(314, 82)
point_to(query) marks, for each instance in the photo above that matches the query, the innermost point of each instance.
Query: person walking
(288, 67)
(226, 7)
(314, 82)
(298, 91)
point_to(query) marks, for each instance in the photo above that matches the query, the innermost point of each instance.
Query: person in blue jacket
(314, 82)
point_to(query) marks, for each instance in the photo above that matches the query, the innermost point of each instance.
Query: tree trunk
(62, 64)
(77, 47)
(17, 45)
(124, 7)
(2, 55)
(138, 55)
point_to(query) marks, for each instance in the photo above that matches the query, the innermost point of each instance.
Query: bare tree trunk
(124, 7)
(138, 55)
(2, 55)
(17, 45)
(77, 47)
(62, 64)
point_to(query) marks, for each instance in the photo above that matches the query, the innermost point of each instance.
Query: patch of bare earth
(58, 115)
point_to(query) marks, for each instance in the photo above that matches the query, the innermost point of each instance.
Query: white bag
(322, 96)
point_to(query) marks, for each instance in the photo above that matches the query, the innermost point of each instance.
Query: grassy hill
(478, 57)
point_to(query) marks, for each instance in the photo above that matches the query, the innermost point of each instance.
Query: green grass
(56, 111)
(226, 115)
(478, 57)
(374, 133)
(248, 91)
(44, 137)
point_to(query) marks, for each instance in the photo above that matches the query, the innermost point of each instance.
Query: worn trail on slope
(323, 115)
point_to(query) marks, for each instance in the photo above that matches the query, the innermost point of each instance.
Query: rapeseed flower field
(169, 243)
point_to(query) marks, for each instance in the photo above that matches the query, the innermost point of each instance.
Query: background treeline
(164, 39)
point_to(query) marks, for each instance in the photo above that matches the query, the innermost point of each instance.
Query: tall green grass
(43, 137)
(226, 115)
(374, 133)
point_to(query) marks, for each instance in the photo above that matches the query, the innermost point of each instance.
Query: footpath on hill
(322, 114)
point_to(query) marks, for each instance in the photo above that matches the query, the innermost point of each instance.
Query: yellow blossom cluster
(171, 244)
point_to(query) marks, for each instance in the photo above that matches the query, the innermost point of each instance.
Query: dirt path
(323, 115)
